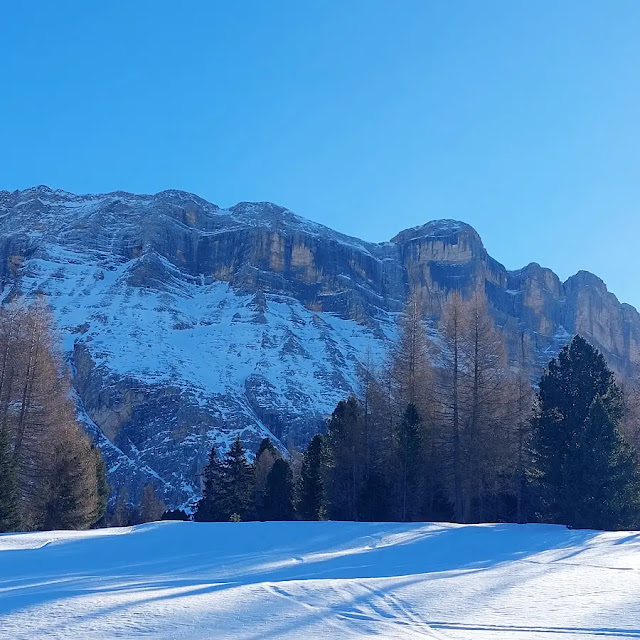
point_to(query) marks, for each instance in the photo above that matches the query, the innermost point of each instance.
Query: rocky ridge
(186, 324)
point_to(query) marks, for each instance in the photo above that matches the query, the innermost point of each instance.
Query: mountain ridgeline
(186, 325)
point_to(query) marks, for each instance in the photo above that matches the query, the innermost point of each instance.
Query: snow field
(304, 580)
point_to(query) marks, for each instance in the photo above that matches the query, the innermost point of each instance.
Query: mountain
(186, 324)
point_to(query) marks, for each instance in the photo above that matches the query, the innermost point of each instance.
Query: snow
(163, 327)
(201, 337)
(304, 580)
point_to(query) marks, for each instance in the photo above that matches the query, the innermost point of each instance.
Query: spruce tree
(209, 508)
(605, 488)
(72, 482)
(374, 503)
(312, 495)
(237, 499)
(9, 513)
(262, 466)
(583, 474)
(346, 474)
(278, 498)
(409, 463)
(267, 445)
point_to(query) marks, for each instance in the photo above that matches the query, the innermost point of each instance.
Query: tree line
(450, 429)
(51, 475)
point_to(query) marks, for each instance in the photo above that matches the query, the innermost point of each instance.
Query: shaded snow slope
(294, 581)
(172, 347)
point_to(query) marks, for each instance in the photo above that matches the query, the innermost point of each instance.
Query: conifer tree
(452, 328)
(71, 498)
(484, 405)
(583, 473)
(520, 392)
(9, 515)
(631, 421)
(175, 514)
(378, 421)
(410, 358)
(346, 474)
(267, 445)
(209, 507)
(237, 499)
(265, 458)
(278, 499)
(374, 504)
(474, 409)
(102, 488)
(409, 463)
(604, 491)
(312, 495)
(55, 465)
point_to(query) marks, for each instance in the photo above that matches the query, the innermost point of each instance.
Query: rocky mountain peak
(443, 229)
(188, 324)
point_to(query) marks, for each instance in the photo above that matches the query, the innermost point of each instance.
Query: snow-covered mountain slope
(170, 355)
(302, 580)
(186, 324)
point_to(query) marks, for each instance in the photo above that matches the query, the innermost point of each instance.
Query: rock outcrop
(187, 324)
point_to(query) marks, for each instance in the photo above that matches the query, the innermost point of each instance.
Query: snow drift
(250, 581)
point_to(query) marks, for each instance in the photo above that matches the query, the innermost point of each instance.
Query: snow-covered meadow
(304, 580)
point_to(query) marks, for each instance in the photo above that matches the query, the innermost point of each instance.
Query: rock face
(187, 325)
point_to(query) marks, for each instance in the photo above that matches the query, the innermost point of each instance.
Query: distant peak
(258, 207)
(586, 278)
(40, 188)
(444, 228)
(178, 195)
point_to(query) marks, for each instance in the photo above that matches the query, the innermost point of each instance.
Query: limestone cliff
(187, 324)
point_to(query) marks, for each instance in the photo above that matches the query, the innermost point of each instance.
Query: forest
(452, 428)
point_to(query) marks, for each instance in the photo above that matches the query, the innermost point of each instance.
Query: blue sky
(369, 116)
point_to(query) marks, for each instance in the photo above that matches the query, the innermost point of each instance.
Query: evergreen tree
(604, 492)
(312, 495)
(209, 508)
(267, 445)
(237, 499)
(72, 489)
(175, 514)
(584, 475)
(261, 468)
(346, 473)
(409, 463)
(278, 499)
(9, 514)
(373, 503)
(103, 488)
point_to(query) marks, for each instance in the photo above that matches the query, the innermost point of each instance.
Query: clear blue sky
(521, 118)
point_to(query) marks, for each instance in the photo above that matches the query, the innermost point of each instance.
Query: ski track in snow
(304, 580)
